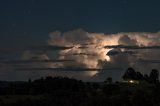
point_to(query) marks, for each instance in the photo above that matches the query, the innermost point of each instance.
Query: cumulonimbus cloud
(91, 51)
(131, 46)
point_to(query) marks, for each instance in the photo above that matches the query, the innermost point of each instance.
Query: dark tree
(154, 76)
(29, 80)
(129, 74)
(108, 80)
(146, 78)
(139, 76)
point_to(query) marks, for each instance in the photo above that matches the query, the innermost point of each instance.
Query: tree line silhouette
(131, 74)
(62, 91)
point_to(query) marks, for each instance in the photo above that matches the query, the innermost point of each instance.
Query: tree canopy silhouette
(154, 76)
(130, 74)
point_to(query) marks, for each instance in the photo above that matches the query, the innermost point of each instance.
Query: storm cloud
(120, 50)
(90, 55)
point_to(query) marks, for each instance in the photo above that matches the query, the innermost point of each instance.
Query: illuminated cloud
(95, 55)
(110, 50)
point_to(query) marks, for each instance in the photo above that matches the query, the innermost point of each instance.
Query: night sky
(23, 20)
(26, 23)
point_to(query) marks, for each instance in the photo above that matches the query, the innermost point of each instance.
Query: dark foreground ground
(70, 92)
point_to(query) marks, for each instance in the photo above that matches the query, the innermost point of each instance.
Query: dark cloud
(131, 47)
(33, 61)
(149, 61)
(86, 44)
(79, 54)
(118, 52)
(65, 69)
(34, 48)
(125, 40)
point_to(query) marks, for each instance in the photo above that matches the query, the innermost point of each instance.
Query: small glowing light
(131, 81)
